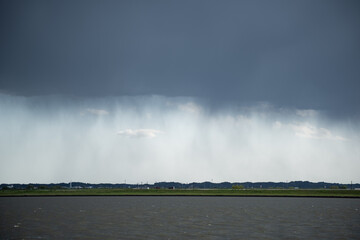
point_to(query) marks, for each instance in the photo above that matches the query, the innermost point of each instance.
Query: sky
(148, 91)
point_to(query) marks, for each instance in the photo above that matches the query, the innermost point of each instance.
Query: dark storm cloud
(302, 54)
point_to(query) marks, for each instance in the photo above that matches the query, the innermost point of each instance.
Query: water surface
(179, 218)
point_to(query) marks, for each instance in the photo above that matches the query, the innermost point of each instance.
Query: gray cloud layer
(243, 90)
(296, 54)
(153, 138)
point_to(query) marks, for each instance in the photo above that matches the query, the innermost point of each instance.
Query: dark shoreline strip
(178, 195)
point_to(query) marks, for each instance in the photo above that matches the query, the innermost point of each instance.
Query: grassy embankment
(184, 192)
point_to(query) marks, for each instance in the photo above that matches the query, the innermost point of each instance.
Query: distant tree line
(193, 185)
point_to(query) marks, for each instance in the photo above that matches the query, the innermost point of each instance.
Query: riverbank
(185, 192)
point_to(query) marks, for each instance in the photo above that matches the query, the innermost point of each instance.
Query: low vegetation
(236, 191)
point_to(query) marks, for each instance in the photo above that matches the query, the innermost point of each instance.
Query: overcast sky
(103, 91)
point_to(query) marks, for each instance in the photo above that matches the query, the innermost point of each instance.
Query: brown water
(178, 218)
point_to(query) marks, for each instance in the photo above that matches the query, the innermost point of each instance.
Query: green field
(183, 192)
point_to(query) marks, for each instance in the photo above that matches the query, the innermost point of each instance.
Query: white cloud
(277, 125)
(140, 133)
(99, 112)
(306, 112)
(307, 130)
(190, 107)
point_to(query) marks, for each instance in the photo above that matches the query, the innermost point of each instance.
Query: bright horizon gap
(55, 139)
